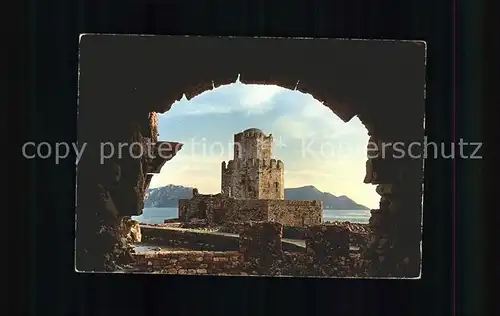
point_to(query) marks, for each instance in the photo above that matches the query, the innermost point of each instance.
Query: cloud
(191, 170)
(236, 97)
(257, 98)
(303, 116)
(291, 126)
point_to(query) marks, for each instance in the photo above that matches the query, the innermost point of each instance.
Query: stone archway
(381, 82)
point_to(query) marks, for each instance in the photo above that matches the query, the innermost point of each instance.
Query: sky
(315, 145)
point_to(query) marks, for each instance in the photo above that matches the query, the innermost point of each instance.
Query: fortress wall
(232, 165)
(184, 208)
(232, 263)
(265, 147)
(295, 213)
(193, 208)
(213, 208)
(225, 182)
(260, 243)
(247, 210)
(238, 146)
(192, 262)
(217, 209)
(252, 144)
(244, 180)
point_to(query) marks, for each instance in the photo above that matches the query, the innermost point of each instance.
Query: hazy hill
(168, 196)
(330, 201)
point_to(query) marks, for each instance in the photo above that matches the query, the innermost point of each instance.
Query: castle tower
(253, 144)
(253, 174)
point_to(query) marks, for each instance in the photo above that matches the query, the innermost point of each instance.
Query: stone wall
(272, 180)
(132, 230)
(226, 179)
(247, 210)
(210, 207)
(253, 174)
(394, 246)
(232, 263)
(109, 192)
(189, 239)
(191, 262)
(306, 265)
(185, 208)
(359, 234)
(218, 209)
(240, 178)
(294, 232)
(153, 125)
(232, 227)
(327, 242)
(261, 252)
(260, 244)
(253, 178)
(327, 254)
(296, 213)
(253, 143)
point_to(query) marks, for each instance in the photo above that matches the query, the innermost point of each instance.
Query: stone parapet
(295, 213)
(260, 244)
(219, 209)
(197, 240)
(326, 242)
(233, 263)
(191, 262)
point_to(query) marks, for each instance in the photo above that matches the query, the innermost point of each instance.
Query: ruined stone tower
(253, 174)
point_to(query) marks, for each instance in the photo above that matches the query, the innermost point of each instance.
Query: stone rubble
(260, 252)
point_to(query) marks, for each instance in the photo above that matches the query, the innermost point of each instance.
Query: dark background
(452, 282)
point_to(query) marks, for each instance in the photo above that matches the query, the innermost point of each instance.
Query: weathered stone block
(132, 230)
(206, 210)
(325, 242)
(260, 243)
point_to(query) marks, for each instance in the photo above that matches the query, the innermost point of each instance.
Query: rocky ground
(231, 264)
(352, 227)
(290, 264)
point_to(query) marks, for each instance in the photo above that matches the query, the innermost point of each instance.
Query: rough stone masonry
(252, 189)
(393, 86)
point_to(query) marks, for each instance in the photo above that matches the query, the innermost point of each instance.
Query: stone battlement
(253, 143)
(252, 133)
(252, 163)
(221, 209)
(259, 250)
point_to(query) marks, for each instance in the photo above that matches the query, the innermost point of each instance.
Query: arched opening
(324, 156)
(381, 83)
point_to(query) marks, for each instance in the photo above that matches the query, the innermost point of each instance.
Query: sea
(158, 215)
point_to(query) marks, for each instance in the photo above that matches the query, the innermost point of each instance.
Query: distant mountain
(330, 201)
(169, 195)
